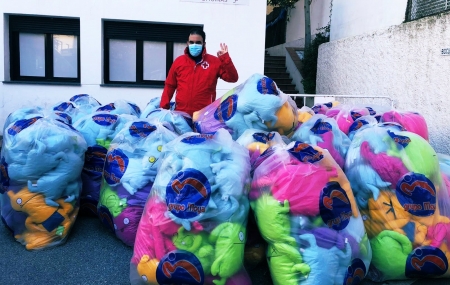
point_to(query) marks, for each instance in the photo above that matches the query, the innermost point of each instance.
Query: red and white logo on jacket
(205, 65)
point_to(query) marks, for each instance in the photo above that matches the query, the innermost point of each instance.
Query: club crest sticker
(21, 125)
(371, 111)
(106, 218)
(198, 139)
(356, 125)
(329, 104)
(107, 108)
(226, 109)
(76, 97)
(105, 119)
(180, 267)
(63, 107)
(398, 139)
(321, 127)
(305, 153)
(417, 194)
(67, 119)
(135, 108)
(355, 115)
(267, 86)
(116, 164)
(141, 129)
(355, 272)
(426, 261)
(263, 138)
(188, 193)
(334, 205)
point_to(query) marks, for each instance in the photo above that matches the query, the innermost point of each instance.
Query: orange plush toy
(45, 225)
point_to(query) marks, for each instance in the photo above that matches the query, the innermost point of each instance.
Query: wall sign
(230, 2)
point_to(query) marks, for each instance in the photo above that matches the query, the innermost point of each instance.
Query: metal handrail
(343, 96)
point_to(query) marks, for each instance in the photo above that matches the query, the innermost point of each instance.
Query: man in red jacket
(194, 75)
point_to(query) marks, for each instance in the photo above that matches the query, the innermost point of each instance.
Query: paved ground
(94, 256)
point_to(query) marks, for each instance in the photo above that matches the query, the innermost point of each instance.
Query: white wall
(403, 62)
(354, 17)
(222, 23)
(320, 16)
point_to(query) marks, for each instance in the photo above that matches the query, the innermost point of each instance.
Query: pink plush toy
(327, 143)
(411, 121)
(439, 234)
(154, 235)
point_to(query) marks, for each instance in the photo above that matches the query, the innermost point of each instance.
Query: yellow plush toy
(287, 120)
(147, 269)
(45, 224)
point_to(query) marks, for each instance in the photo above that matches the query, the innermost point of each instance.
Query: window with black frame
(141, 53)
(418, 9)
(44, 49)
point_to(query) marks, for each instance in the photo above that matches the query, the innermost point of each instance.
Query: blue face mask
(195, 49)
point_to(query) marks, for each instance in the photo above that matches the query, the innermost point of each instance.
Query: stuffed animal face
(112, 201)
(188, 241)
(147, 269)
(286, 122)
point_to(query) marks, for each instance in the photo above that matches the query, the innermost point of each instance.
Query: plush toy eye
(159, 148)
(126, 221)
(19, 201)
(241, 236)
(144, 278)
(152, 159)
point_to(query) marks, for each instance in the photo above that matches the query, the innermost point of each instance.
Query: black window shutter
(147, 31)
(47, 25)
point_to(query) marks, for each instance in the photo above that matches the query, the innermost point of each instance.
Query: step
(282, 80)
(279, 75)
(274, 64)
(275, 70)
(273, 60)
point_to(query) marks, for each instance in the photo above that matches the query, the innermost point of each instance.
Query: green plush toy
(389, 253)
(229, 239)
(272, 218)
(286, 264)
(196, 243)
(111, 200)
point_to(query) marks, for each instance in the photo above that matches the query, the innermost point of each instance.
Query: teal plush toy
(229, 239)
(390, 251)
(196, 243)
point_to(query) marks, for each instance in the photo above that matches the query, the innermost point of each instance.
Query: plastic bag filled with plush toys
(305, 210)
(42, 158)
(193, 229)
(131, 166)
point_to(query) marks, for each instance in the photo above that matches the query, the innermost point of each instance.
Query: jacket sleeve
(170, 86)
(227, 70)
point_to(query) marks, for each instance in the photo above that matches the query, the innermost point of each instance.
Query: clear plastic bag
(42, 160)
(193, 228)
(257, 103)
(121, 107)
(131, 165)
(411, 121)
(179, 122)
(399, 189)
(305, 210)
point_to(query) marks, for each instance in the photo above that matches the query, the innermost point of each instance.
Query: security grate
(422, 8)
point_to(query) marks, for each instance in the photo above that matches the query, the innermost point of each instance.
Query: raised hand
(223, 49)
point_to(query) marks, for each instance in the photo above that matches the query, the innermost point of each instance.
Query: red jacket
(196, 83)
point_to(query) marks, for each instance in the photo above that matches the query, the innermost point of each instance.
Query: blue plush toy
(85, 103)
(178, 121)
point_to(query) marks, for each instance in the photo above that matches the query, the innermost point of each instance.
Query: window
(44, 49)
(423, 8)
(141, 53)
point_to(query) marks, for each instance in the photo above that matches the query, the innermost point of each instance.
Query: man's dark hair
(198, 31)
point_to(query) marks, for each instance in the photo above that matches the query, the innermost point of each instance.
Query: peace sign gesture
(223, 49)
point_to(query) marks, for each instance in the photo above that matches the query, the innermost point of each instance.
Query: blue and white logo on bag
(188, 193)
(63, 107)
(141, 129)
(21, 125)
(105, 119)
(180, 267)
(305, 153)
(116, 164)
(356, 125)
(355, 115)
(329, 104)
(334, 206)
(417, 194)
(135, 108)
(198, 139)
(355, 272)
(4, 177)
(392, 124)
(263, 138)
(426, 261)
(401, 140)
(371, 111)
(107, 108)
(76, 97)
(94, 159)
(321, 127)
(267, 86)
(67, 119)
(226, 109)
